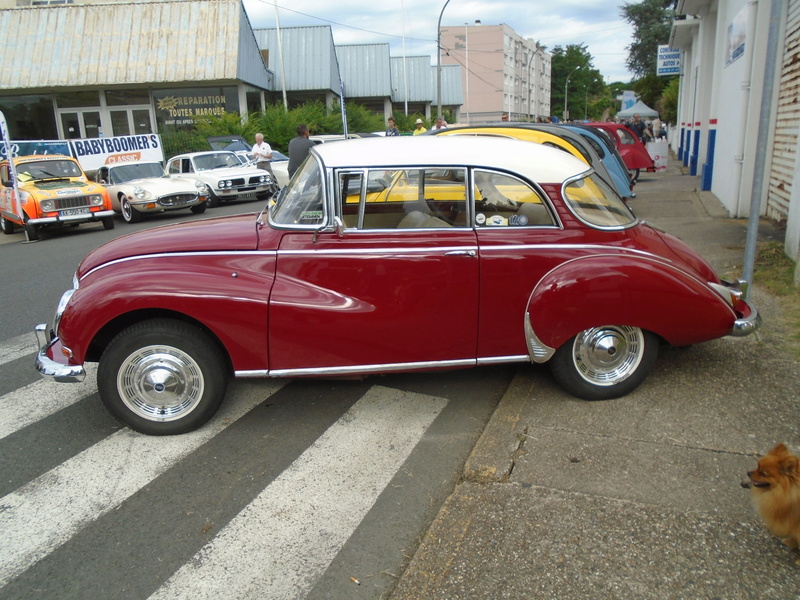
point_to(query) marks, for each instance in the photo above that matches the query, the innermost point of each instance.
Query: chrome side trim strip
(500, 360)
(378, 368)
(174, 254)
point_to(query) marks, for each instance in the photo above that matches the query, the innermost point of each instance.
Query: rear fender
(623, 289)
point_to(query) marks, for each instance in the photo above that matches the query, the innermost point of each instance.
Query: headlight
(140, 193)
(264, 179)
(47, 205)
(96, 199)
(201, 187)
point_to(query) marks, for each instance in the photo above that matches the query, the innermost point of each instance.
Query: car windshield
(123, 173)
(302, 201)
(216, 160)
(596, 204)
(47, 169)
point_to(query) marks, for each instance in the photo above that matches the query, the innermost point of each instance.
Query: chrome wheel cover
(127, 210)
(160, 383)
(608, 355)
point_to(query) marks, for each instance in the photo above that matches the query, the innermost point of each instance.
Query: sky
(594, 23)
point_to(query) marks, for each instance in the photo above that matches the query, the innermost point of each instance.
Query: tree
(652, 22)
(585, 82)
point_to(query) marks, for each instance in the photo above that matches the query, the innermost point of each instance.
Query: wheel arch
(623, 289)
(109, 331)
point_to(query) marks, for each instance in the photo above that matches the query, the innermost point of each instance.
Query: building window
(30, 117)
(77, 99)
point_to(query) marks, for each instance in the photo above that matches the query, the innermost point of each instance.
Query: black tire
(129, 214)
(108, 222)
(213, 199)
(8, 226)
(605, 362)
(162, 377)
(32, 231)
(199, 209)
(633, 175)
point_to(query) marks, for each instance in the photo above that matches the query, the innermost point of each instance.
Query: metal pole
(439, 62)
(566, 91)
(761, 141)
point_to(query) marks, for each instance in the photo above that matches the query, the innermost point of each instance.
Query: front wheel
(108, 222)
(633, 175)
(199, 209)
(162, 377)
(129, 214)
(605, 362)
(8, 226)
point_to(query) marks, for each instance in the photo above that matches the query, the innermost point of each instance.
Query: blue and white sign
(668, 62)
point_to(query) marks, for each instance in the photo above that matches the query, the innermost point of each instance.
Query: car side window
(427, 198)
(502, 200)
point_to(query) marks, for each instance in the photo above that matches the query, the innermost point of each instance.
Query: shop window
(127, 97)
(30, 117)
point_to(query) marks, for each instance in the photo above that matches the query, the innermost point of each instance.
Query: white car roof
(535, 161)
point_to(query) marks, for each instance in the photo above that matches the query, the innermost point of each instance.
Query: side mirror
(8, 183)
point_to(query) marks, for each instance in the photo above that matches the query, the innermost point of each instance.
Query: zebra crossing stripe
(284, 540)
(18, 347)
(43, 514)
(40, 399)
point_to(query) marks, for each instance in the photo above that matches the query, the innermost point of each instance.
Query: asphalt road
(296, 489)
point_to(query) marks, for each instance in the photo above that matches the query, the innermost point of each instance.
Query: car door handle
(461, 253)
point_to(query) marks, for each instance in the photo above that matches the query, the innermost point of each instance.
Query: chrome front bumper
(50, 369)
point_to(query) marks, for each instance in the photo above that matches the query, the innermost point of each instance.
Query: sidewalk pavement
(634, 498)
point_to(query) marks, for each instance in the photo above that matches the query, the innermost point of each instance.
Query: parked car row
(54, 191)
(419, 253)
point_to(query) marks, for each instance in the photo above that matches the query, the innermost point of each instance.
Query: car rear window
(596, 204)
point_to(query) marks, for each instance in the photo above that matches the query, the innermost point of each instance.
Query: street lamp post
(439, 61)
(566, 91)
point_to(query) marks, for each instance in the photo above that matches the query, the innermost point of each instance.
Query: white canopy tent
(641, 108)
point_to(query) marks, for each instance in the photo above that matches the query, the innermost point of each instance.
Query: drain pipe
(761, 141)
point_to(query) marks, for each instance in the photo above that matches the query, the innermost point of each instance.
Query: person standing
(298, 148)
(420, 127)
(638, 126)
(440, 124)
(392, 130)
(262, 154)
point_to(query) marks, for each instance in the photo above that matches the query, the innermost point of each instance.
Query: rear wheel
(162, 377)
(108, 222)
(605, 362)
(633, 175)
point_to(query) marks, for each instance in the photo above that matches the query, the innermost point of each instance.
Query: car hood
(228, 172)
(60, 188)
(161, 184)
(222, 234)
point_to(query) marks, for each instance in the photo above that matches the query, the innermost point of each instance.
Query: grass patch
(774, 271)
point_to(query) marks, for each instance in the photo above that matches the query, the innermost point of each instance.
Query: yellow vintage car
(53, 191)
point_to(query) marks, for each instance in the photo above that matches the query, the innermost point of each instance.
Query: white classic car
(224, 174)
(137, 188)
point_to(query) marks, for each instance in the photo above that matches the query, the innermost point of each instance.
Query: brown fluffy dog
(775, 486)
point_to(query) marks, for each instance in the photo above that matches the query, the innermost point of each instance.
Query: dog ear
(780, 449)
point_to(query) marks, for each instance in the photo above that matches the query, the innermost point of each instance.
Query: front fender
(624, 289)
(227, 293)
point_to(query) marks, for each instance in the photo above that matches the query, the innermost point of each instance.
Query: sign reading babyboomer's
(669, 61)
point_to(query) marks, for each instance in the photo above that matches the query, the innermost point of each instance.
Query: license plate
(247, 196)
(71, 212)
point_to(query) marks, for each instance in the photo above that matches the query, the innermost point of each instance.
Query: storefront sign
(669, 61)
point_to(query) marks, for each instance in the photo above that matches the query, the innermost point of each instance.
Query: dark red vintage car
(634, 153)
(389, 255)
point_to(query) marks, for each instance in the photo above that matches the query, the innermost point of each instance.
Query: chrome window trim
(570, 208)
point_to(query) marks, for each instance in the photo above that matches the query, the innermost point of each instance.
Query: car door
(396, 287)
